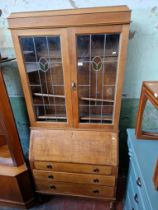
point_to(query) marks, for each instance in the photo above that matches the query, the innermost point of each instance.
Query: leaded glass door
(44, 65)
(96, 68)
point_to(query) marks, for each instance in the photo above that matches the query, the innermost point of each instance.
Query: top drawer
(71, 167)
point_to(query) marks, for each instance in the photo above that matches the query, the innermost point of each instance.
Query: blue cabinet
(140, 192)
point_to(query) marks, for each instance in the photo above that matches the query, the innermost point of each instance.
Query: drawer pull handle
(136, 198)
(49, 166)
(50, 177)
(96, 180)
(52, 187)
(139, 183)
(95, 191)
(96, 170)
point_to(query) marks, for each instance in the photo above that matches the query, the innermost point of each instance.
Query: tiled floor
(76, 203)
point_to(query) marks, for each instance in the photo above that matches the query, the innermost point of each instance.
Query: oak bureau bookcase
(71, 64)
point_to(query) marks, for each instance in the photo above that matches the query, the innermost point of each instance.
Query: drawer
(76, 189)
(71, 167)
(51, 176)
(137, 179)
(136, 196)
(127, 202)
(131, 194)
(138, 186)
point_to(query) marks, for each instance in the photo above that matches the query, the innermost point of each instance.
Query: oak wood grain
(74, 167)
(90, 147)
(53, 176)
(69, 18)
(122, 8)
(15, 186)
(76, 189)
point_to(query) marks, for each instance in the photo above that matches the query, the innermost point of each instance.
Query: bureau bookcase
(71, 64)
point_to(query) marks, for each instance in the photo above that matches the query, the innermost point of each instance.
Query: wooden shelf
(96, 99)
(34, 85)
(27, 52)
(96, 117)
(109, 53)
(49, 95)
(5, 157)
(4, 60)
(50, 105)
(52, 117)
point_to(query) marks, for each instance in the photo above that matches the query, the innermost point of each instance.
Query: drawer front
(137, 178)
(128, 204)
(136, 194)
(70, 167)
(76, 189)
(131, 194)
(51, 176)
(138, 186)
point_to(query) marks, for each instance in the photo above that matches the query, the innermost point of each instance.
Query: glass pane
(97, 56)
(43, 63)
(150, 116)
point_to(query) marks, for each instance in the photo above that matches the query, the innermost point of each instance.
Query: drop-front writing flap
(88, 147)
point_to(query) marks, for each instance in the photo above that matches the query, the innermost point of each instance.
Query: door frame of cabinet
(123, 30)
(24, 78)
(67, 40)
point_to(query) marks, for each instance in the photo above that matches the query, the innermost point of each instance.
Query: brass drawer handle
(96, 180)
(136, 198)
(139, 183)
(49, 166)
(50, 177)
(96, 170)
(52, 187)
(95, 191)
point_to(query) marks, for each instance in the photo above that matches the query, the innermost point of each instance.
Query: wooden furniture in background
(149, 92)
(155, 177)
(15, 184)
(71, 64)
(141, 193)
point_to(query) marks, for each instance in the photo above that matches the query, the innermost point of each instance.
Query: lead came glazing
(43, 63)
(97, 56)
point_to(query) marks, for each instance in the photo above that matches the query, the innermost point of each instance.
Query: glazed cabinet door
(97, 75)
(45, 76)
